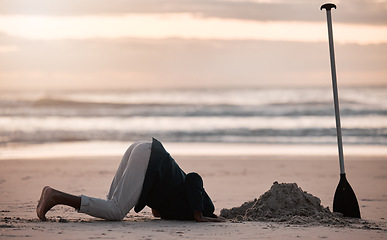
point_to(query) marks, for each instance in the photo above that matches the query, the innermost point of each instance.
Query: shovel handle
(328, 8)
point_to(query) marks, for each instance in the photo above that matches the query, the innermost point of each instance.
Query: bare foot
(46, 202)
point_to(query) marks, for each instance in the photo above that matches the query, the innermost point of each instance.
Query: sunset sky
(94, 44)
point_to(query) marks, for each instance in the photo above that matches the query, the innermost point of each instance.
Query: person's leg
(129, 187)
(51, 197)
(124, 196)
(121, 168)
(127, 191)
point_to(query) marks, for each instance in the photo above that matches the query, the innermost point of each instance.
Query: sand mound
(285, 202)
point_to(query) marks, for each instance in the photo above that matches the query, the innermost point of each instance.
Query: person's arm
(198, 215)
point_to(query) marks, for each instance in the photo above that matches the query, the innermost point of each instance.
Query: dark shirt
(168, 189)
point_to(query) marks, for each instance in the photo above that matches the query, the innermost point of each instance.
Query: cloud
(160, 26)
(177, 63)
(8, 48)
(349, 11)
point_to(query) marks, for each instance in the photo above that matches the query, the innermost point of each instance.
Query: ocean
(263, 115)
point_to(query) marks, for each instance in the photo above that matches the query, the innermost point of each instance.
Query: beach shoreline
(230, 181)
(108, 149)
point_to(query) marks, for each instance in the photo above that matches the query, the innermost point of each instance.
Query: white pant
(126, 186)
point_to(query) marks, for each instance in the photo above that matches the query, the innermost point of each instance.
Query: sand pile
(285, 202)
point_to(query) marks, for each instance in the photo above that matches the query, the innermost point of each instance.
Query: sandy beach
(230, 181)
(238, 91)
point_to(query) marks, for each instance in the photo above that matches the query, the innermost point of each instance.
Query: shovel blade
(345, 200)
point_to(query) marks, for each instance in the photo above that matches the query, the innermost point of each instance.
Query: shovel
(344, 200)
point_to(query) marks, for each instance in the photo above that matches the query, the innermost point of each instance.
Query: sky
(95, 44)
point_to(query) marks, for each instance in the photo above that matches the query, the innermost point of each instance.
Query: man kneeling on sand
(146, 176)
